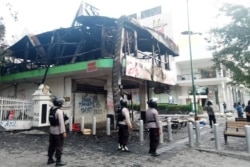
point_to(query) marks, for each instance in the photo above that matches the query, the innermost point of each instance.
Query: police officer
(153, 124)
(124, 126)
(57, 132)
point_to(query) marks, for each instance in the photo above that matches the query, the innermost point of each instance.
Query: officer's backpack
(120, 116)
(52, 117)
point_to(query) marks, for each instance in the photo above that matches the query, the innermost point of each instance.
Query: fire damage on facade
(140, 55)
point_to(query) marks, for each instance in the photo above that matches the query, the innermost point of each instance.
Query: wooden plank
(241, 119)
(235, 134)
(237, 124)
(36, 43)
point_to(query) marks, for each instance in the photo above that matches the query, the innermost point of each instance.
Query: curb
(238, 155)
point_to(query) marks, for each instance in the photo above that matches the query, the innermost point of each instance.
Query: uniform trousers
(154, 139)
(56, 143)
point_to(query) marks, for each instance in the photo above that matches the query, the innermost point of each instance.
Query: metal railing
(15, 109)
(203, 75)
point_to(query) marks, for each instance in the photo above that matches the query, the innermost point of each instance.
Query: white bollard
(197, 128)
(141, 131)
(170, 136)
(82, 124)
(70, 123)
(217, 137)
(161, 135)
(108, 126)
(190, 134)
(247, 131)
(94, 126)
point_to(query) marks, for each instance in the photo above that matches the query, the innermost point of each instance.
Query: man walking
(57, 132)
(153, 124)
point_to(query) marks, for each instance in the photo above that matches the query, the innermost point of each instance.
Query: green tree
(3, 45)
(231, 43)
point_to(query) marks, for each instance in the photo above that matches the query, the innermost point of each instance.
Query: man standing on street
(57, 132)
(124, 125)
(211, 114)
(153, 124)
(239, 110)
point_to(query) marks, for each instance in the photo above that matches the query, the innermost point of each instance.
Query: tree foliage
(3, 45)
(231, 43)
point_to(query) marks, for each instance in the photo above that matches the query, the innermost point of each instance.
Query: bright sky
(36, 16)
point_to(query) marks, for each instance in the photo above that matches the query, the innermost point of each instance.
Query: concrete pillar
(170, 136)
(247, 131)
(231, 99)
(143, 100)
(190, 134)
(217, 136)
(70, 123)
(161, 135)
(110, 102)
(141, 131)
(217, 71)
(228, 98)
(82, 124)
(67, 106)
(221, 96)
(108, 126)
(94, 125)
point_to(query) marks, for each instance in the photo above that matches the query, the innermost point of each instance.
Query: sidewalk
(29, 149)
(236, 146)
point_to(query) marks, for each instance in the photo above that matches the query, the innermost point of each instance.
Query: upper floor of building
(203, 70)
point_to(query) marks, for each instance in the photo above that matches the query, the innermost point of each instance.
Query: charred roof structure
(95, 38)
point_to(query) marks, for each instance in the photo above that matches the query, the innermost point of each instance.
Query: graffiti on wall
(8, 124)
(90, 103)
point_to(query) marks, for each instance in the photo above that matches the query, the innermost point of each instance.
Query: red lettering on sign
(91, 66)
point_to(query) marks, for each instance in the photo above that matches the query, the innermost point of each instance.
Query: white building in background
(211, 84)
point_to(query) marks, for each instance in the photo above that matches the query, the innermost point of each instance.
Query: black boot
(50, 161)
(155, 154)
(60, 163)
(150, 151)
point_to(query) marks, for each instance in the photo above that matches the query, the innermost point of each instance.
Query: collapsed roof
(84, 42)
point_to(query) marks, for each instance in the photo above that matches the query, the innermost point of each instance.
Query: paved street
(29, 149)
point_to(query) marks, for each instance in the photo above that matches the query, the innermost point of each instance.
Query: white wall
(59, 86)
(56, 86)
(24, 90)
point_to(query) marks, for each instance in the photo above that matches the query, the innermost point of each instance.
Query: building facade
(211, 84)
(92, 65)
